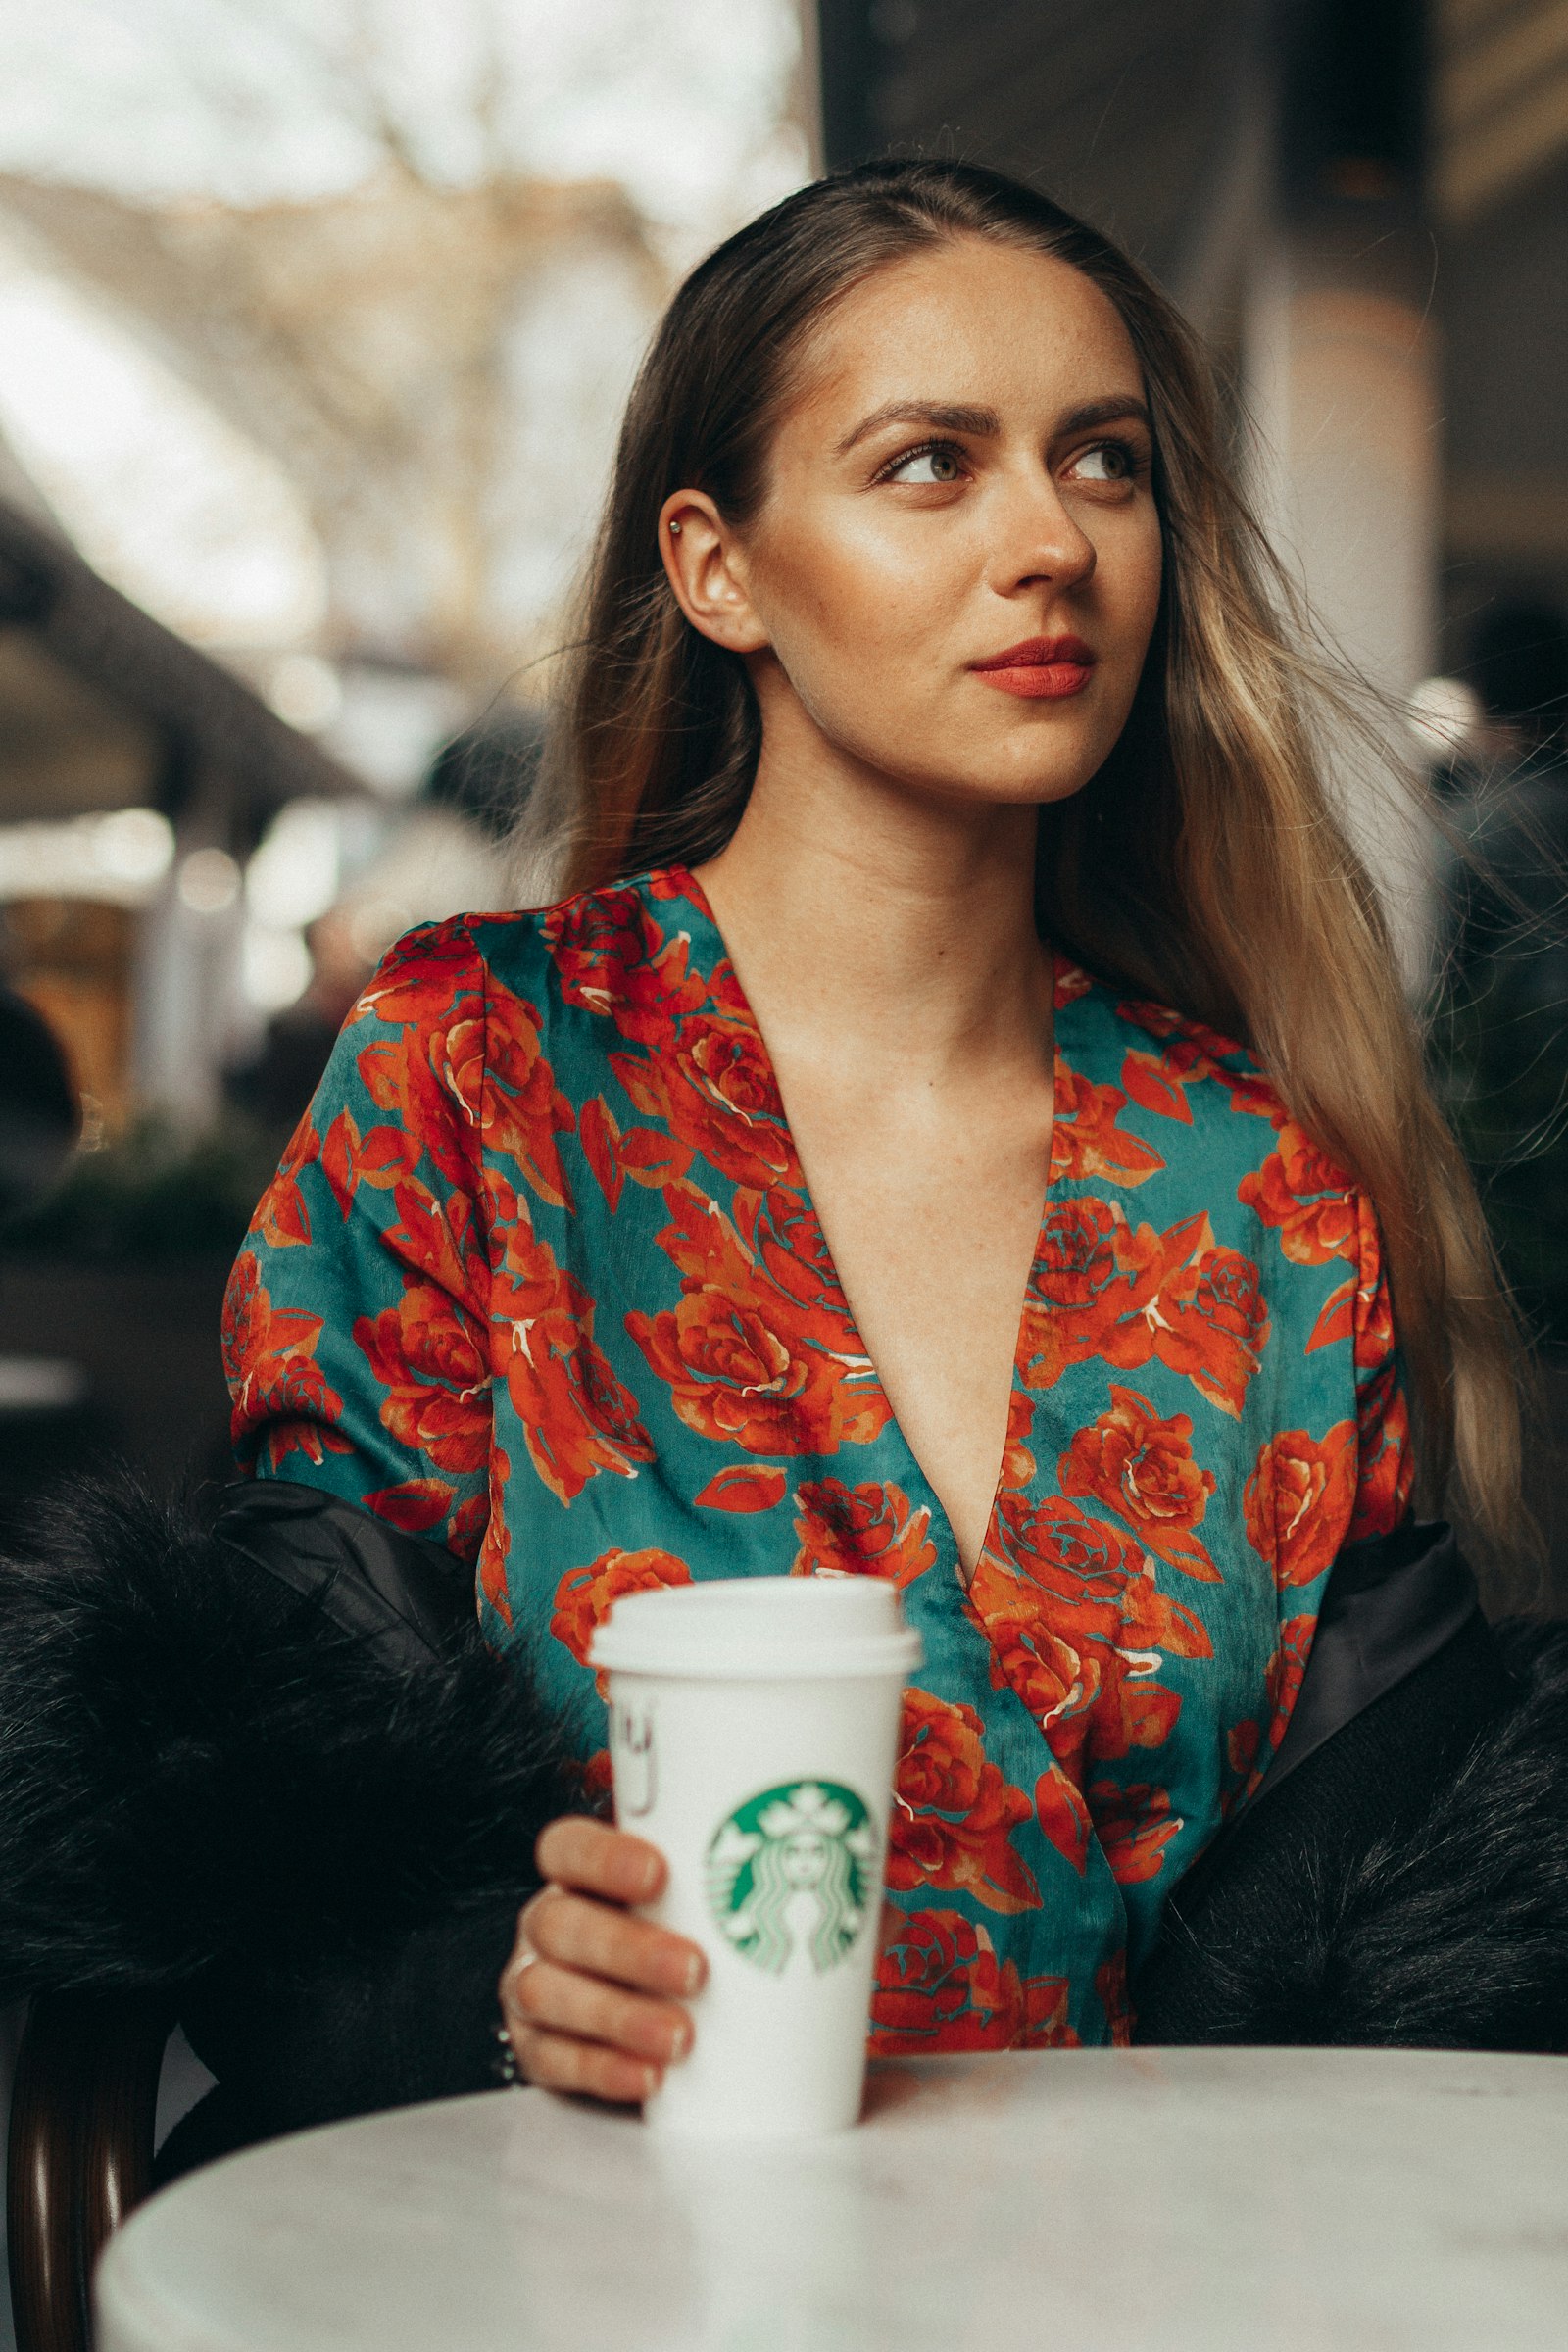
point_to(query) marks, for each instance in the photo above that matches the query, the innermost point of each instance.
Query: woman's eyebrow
(1109, 410)
(948, 417)
(942, 415)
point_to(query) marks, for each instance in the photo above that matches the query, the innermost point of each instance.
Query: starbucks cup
(754, 1733)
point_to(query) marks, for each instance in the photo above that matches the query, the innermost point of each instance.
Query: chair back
(83, 2110)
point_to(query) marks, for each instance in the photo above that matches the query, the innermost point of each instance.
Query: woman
(941, 807)
(958, 1123)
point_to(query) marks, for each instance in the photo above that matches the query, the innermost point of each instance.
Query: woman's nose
(1039, 541)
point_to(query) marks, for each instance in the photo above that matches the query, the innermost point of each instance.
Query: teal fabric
(540, 1277)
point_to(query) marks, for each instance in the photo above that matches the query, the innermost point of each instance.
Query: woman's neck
(887, 932)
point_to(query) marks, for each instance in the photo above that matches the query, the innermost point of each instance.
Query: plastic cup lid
(759, 1627)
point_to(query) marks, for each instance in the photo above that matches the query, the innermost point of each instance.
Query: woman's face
(955, 569)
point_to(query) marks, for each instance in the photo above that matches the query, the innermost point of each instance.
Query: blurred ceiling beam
(67, 748)
(1499, 99)
(1504, 520)
(80, 658)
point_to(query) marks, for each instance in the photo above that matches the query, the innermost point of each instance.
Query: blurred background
(316, 320)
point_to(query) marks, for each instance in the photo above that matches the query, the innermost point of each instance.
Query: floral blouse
(540, 1277)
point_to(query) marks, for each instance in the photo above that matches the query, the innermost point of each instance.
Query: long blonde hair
(1204, 866)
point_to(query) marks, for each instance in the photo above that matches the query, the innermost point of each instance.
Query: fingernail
(651, 1870)
(680, 2041)
(651, 2080)
(695, 1971)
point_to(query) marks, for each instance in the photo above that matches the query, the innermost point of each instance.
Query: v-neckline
(679, 879)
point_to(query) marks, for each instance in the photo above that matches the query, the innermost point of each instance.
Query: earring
(674, 530)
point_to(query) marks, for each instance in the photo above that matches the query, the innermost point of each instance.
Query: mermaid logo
(789, 1874)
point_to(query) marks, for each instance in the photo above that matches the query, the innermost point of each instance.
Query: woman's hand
(591, 1997)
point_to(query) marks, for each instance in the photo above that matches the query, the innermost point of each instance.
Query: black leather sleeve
(412, 2018)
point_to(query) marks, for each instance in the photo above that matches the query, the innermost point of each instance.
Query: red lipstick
(1040, 669)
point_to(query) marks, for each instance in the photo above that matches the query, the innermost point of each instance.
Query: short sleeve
(356, 1322)
(1384, 1459)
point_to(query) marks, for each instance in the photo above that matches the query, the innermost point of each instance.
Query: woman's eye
(1107, 461)
(925, 467)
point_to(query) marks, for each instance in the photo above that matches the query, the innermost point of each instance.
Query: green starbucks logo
(788, 1872)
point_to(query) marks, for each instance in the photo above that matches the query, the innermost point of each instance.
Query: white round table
(1137, 2200)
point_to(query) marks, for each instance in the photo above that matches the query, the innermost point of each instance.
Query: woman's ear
(707, 571)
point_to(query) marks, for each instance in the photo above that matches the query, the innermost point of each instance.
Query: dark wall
(1502, 300)
(1115, 107)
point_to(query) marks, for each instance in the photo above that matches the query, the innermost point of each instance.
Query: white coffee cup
(753, 1736)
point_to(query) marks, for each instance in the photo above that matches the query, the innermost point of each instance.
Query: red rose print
(282, 1218)
(1209, 1321)
(409, 1076)
(436, 1241)
(577, 1419)
(1111, 1987)
(714, 1089)
(1017, 1463)
(1306, 1197)
(1100, 1287)
(466, 1527)
(743, 1486)
(283, 1403)
(612, 958)
(1064, 1816)
(1093, 1277)
(870, 1528)
(1134, 1824)
(495, 1066)
(585, 1596)
(496, 1545)
(781, 1229)
(599, 1133)
(382, 1158)
(1194, 1051)
(1286, 1669)
(424, 1504)
(1044, 2015)
(736, 1374)
(423, 975)
(1142, 1467)
(1373, 1308)
(1296, 1505)
(940, 1986)
(430, 1356)
(1086, 1140)
(1057, 1669)
(416, 1504)
(1336, 1317)
(1242, 1744)
(1157, 1081)
(953, 1813)
(739, 1361)
(651, 1159)
(1386, 1462)
(1077, 1628)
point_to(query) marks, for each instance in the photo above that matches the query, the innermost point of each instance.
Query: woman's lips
(1040, 669)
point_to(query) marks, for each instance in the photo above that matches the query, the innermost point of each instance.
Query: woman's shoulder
(585, 945)
(1162, 1101)
(1160, 1057)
